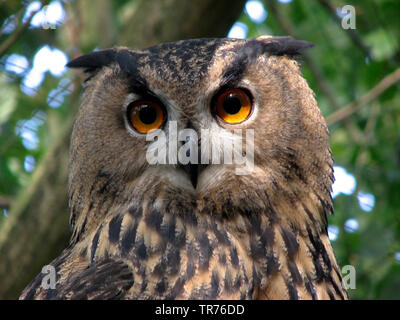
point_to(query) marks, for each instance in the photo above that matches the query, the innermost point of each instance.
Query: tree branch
(15, 35)
(371, 95)
(352, 33)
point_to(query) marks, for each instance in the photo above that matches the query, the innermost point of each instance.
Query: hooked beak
(193, 171)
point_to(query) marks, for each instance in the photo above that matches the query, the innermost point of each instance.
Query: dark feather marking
(144, 285)
(214, 285)
(188, 216)
(95, 242)
(128, 239)
(319, 250)
(221, 235)
(168, 230)
(206, 251)
(177, 288)
(327, 205)
(245, 277)
(309, 214)
(272, 264)
(82, 228)
(256, 277)
(160, 267)
(161, 286)
(202, 293)
(325, 257)
(101, 175)
(228, 282)
(310, 287)
(227, 209)
(291, 165)
(237, 284)
(190, 270)
(250, 292)
(338, 273)
(51, 293)
(294, 271)
(290, 241)
(330, 294)
(268, 237)
(319, 271)
(135, 212)
(255, 223)
(335, 287)
(173, 261)
(191, 255)
(34, 285)
(141, 250)
(234, 257)
(154, 219)
(222, 258)
(292, 290)
(314, 240)
(177, 238)
(257, 251)
(114, 228)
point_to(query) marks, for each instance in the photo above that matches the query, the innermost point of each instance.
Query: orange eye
(146, 116)
(233, 106)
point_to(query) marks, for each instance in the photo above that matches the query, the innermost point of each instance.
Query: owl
(199, 169)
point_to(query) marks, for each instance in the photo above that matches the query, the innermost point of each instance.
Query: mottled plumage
(143, 231)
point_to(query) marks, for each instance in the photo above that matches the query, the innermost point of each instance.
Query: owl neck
(300, 210)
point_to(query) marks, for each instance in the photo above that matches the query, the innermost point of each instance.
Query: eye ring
(146, 115)
(233, 106)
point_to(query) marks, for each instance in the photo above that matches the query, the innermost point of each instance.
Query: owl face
(159, 125)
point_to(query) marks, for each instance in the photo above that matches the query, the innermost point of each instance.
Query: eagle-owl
(189, 229)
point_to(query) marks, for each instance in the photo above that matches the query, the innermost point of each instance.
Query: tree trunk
(36, 229)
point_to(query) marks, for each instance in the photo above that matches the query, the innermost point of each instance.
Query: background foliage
(355, 70)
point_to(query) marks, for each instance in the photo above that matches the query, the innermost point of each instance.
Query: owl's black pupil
(232, 104)
(148, 114)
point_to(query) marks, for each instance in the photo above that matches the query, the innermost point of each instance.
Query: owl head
(220, 127)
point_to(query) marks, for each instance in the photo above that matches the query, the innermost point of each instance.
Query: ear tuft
(94, 60)
(284, 45)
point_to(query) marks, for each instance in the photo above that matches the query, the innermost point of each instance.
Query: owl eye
(233, 106)
(146, 116)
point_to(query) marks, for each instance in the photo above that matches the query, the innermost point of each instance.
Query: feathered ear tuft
(94, 60)
(284, 45)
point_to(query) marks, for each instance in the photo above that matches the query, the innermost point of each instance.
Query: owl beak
(192, 170)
